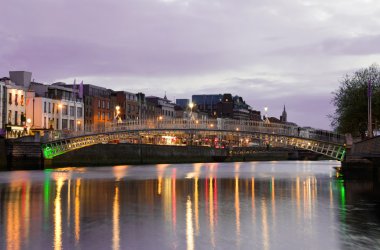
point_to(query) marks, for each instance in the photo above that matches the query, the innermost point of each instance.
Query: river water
(250, 205)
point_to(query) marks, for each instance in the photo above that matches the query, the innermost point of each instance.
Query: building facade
(164, 107)
(99, 106)
(129, 105)
(54, 107)
(207, 104)
(241, 110)
(3, 100)
(183, 103)
(15, 112)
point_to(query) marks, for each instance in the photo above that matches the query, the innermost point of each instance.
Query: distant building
(225, 107)
(54, 107)
(274, 120)
(179, 112)
(13, 112)
(207, 104)
(21, 78)
(241, 110)
(99, 106)
(164, 107)
(183, 103)
(284, 116)
(3, 100)
(129, 106)
(254, 115)
(146, 109)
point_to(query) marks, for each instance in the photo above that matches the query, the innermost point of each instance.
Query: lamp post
(78, 126)
(28, 122)
(370, 133)
(60, 116)
(117, 108)
(266, 115)
(191, 106)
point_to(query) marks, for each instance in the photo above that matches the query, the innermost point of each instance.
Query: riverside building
(54, 107)
(164, 107)
(3, 100)
(13, 117)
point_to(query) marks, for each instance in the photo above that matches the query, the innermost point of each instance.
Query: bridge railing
(215, 125)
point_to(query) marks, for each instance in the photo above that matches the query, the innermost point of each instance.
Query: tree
(351, 102)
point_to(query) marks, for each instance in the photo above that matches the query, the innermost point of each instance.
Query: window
(53, 107)
(23, 118)
(22, 100)
(72, 111)
(103, 116)
(10, 98)
(98, 103)
(16, 99)
(49, 107)
(98, 115)
(44, 122)
(108, 105)
(9, 116)
(79, 112)
(103, 104)
(16, 118)
(72, 124)
(64, 123)
(109, 116)
(44, 107)
(64, 110)
(57, 124)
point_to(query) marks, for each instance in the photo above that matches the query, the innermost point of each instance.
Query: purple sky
(290, 52)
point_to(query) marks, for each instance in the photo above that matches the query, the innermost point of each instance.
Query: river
(248, 205)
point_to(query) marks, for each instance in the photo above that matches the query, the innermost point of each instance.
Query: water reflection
(189, 225)
(116, 221)
(77, 211)
(238, 205)
(59, 178)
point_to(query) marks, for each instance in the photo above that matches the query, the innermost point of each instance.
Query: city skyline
(271, 54)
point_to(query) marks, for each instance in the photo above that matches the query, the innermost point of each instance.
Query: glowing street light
(266, 115)
(191, 106)
(117, 116)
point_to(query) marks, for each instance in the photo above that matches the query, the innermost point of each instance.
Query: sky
(272, 53)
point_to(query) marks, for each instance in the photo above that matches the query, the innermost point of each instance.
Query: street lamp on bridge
(266, 115)
(191, 106)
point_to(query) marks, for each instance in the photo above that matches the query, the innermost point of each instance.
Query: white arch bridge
(219, 133)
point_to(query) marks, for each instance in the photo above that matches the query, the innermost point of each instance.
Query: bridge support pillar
(47, 163)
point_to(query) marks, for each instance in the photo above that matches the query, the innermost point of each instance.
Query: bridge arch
(191, 131)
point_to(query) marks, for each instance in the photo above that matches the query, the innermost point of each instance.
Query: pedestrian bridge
(218, 133)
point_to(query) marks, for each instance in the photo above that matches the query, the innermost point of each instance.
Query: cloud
(268, 52)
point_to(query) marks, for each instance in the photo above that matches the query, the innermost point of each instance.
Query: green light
(48, 154)
(46, 196)
(342, 194)
(343, 154)
(342, 199)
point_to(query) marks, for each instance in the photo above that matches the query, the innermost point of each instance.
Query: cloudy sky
(290, 52)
